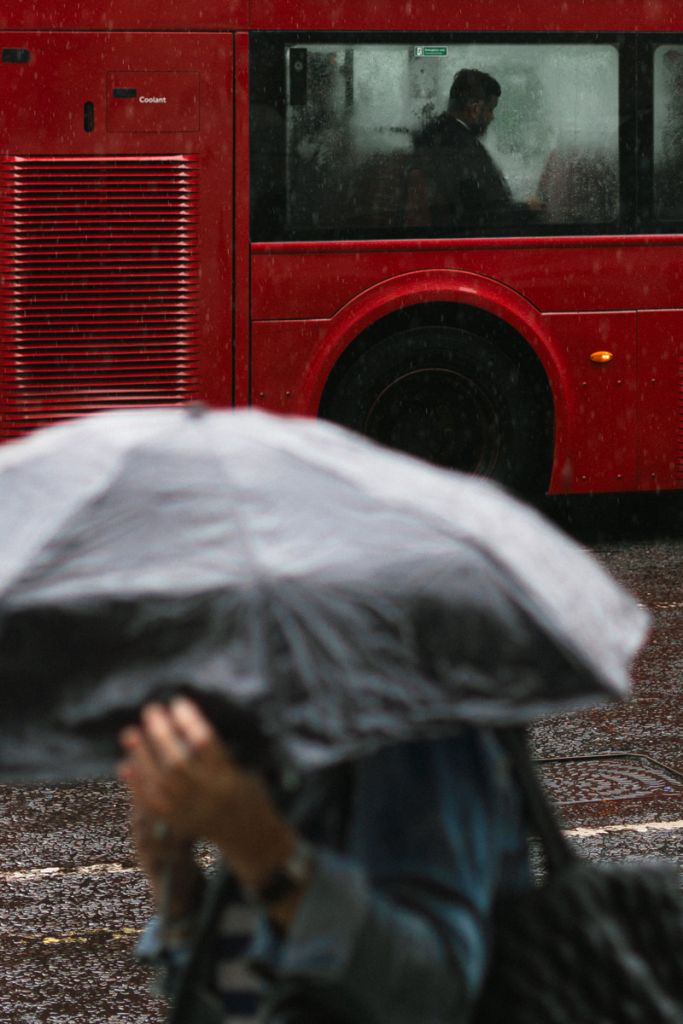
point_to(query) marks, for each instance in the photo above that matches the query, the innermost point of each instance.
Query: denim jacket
(409, 863)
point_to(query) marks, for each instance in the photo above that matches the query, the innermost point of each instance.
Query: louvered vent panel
(98, 304)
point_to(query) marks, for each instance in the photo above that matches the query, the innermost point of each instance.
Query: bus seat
(388, 191)
(578, 186)
(417, 212)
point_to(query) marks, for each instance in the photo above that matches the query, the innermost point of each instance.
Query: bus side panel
(284, 355)
(600, 452)
(660, 337)
(484, 16)
(594, 448)
(293, 359)
(595, 404)
(115, 223)
(556, 275)
(116, 15)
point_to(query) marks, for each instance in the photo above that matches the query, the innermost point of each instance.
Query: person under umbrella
(354, 627)
(371, 900)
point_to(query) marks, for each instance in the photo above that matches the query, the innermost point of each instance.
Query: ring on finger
(161, 830)
(187, 749)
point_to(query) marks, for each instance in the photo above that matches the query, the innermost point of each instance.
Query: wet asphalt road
(72, 901)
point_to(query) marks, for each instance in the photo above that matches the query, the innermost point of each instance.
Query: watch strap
(288, 876)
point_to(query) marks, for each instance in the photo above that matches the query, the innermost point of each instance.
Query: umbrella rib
(259, 601)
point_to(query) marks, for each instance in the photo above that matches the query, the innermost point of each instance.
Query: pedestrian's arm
(182, 775)
(165, 855)
(184, 785)
(398, 928)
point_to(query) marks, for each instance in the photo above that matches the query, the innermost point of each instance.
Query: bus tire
(449, 396)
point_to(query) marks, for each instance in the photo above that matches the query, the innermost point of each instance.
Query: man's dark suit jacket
(464, 185)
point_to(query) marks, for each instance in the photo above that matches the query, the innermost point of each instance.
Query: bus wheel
(448, 396)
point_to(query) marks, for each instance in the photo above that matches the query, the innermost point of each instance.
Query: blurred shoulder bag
(593, 943)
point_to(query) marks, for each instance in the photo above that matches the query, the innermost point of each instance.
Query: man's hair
(469, 86)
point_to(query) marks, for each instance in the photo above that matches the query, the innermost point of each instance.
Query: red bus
(221, 201)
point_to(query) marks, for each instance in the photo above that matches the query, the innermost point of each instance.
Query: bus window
(358, 117)
(668, 132)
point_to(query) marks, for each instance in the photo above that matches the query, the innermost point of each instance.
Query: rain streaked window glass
(348, 120)
(668, 132)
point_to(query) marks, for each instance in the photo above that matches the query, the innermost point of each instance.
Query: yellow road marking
(635, 826)
(30, 874)
(70, 938)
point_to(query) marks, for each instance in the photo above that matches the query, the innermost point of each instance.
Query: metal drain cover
(607, 777)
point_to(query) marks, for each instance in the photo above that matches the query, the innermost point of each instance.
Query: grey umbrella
(327, 594)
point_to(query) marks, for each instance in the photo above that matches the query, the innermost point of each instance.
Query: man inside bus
(463, 184)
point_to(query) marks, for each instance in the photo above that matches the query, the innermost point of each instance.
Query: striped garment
(240, 987)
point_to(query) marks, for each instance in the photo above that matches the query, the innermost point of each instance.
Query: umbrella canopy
(332, 593)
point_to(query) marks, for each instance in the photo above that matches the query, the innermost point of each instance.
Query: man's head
(473, 99)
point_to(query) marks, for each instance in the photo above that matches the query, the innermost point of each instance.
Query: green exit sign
(431, 51)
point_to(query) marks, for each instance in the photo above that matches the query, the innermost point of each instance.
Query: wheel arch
(456, 299)
(464, 299)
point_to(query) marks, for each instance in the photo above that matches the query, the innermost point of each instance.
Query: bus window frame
(626, 44)
(649, 223)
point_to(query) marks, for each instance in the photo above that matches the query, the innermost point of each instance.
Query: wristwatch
(292, 873)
